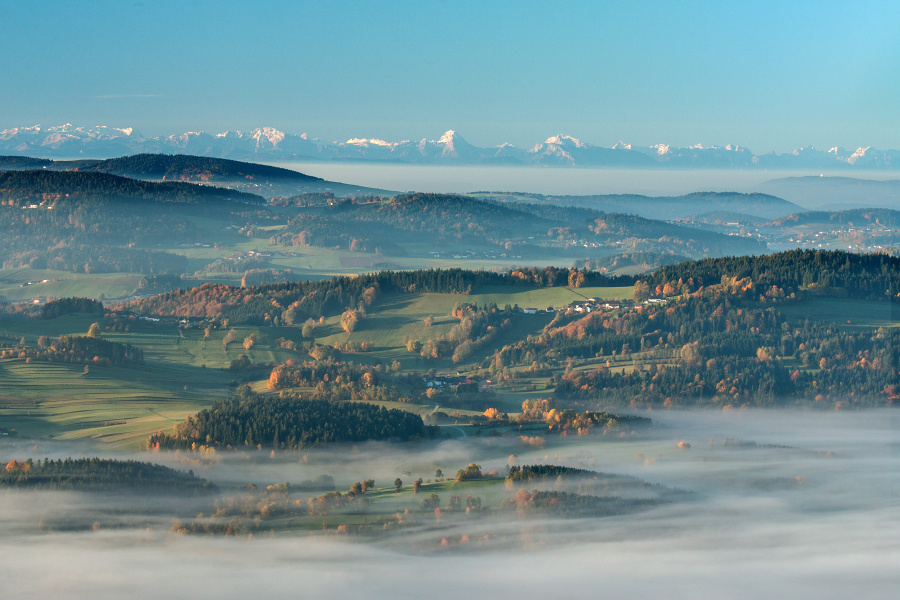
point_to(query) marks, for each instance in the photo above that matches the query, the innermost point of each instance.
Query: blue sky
(766, 75)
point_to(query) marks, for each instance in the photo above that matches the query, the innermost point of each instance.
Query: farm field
(114, 407)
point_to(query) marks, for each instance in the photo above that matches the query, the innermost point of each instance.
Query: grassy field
(63, 284)
(113, 405)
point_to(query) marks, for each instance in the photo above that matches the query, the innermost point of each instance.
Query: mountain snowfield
(270, 144)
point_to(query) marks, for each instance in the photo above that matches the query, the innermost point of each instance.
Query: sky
(770, 76)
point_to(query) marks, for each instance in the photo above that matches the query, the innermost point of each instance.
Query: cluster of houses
(440, 382)
(594, 304)
(182, 322)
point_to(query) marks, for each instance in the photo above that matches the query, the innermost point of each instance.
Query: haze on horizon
(767, 76)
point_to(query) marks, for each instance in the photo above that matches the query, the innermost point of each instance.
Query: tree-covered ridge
(51, 188)
(857, 217)
(22, 162)
(288, 422)
(662, 207)
(296, 302)
(182, 167)
(99, 474)
(444, 219)
(645, 260)
(730, 344)
(100, 233)
(834, 273)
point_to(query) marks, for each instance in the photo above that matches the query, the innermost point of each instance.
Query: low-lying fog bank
(781, 504)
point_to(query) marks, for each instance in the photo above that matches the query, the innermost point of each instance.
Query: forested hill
(533, 229)
(666, 207)
(49, 187)
(857, 217)
(834, 273)
(182, 167)
(19, 163)
(252, 178)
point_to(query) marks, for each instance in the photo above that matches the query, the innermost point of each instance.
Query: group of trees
(99, 474)
(477, 327)
(571, 505)
(288, 422)
(335, 381)
(78, 349)
(68, 306)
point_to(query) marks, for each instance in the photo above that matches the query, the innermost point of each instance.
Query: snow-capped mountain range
(269, 144)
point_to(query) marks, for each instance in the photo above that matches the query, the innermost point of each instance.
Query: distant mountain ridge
(270, 144)
(257, 179)
(762, 206)
(47, 188)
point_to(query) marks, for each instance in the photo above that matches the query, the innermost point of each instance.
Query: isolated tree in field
(398, 483)
(249, 341)
(492, 413)
(472, 471)
(94, 330)
(438, 474)
(356, 489)
(350, 319)
(229, 337)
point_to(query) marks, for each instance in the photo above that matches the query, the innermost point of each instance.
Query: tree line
(99, 474)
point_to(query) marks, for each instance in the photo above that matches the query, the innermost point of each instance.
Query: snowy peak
(271, 144)
(266, 135)
(564, 140)
(365, 142)
(448, 137)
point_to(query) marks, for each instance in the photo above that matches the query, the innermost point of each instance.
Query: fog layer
(780, 504)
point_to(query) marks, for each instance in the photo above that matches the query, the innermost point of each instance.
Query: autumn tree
(641, 291)
(249, 341)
